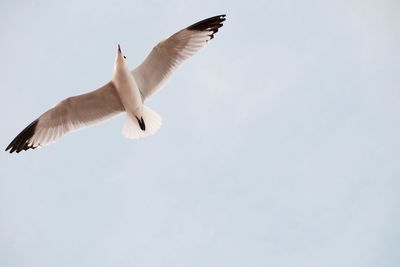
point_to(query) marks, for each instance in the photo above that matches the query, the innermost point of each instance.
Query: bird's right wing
(70, 114)
(168, 54)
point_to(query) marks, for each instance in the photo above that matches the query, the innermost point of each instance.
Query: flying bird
(126, 92)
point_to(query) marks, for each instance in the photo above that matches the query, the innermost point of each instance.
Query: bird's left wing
(70, 114)
(165, 57)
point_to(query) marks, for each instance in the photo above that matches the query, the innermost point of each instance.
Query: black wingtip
(210, 24)
(21, 141)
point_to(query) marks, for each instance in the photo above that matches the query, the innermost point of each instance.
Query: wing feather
(168, 54)
(70, 114)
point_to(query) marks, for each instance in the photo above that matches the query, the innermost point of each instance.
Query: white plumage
(126, 92)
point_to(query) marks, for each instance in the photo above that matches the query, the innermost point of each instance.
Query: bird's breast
(128, 91)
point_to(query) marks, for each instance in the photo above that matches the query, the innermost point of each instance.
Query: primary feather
(83, 110)
(168, 54)
(70, 114)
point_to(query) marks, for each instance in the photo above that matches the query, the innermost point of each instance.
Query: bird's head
(121, 58)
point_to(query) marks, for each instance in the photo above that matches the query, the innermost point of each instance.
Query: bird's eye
(125, 57)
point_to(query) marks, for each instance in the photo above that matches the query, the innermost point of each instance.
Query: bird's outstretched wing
(70, 114)
(169, 53)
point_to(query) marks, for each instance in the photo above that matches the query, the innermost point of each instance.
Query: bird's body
(127, 88)
(126, 92)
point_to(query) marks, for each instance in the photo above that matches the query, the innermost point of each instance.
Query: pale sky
(279, 144)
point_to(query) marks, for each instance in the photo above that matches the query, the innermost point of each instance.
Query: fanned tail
(132, 128)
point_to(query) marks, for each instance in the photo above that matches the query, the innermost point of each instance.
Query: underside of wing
(167, 55)
(68, 115)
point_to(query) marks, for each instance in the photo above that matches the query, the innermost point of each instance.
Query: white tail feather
(132, 129)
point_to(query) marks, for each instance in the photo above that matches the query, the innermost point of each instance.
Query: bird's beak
(119, 49)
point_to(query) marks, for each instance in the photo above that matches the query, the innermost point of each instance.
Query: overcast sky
(279, 144)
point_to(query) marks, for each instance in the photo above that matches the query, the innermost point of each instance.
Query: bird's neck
(120, 69)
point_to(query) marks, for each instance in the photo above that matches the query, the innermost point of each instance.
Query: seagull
(126, 92)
